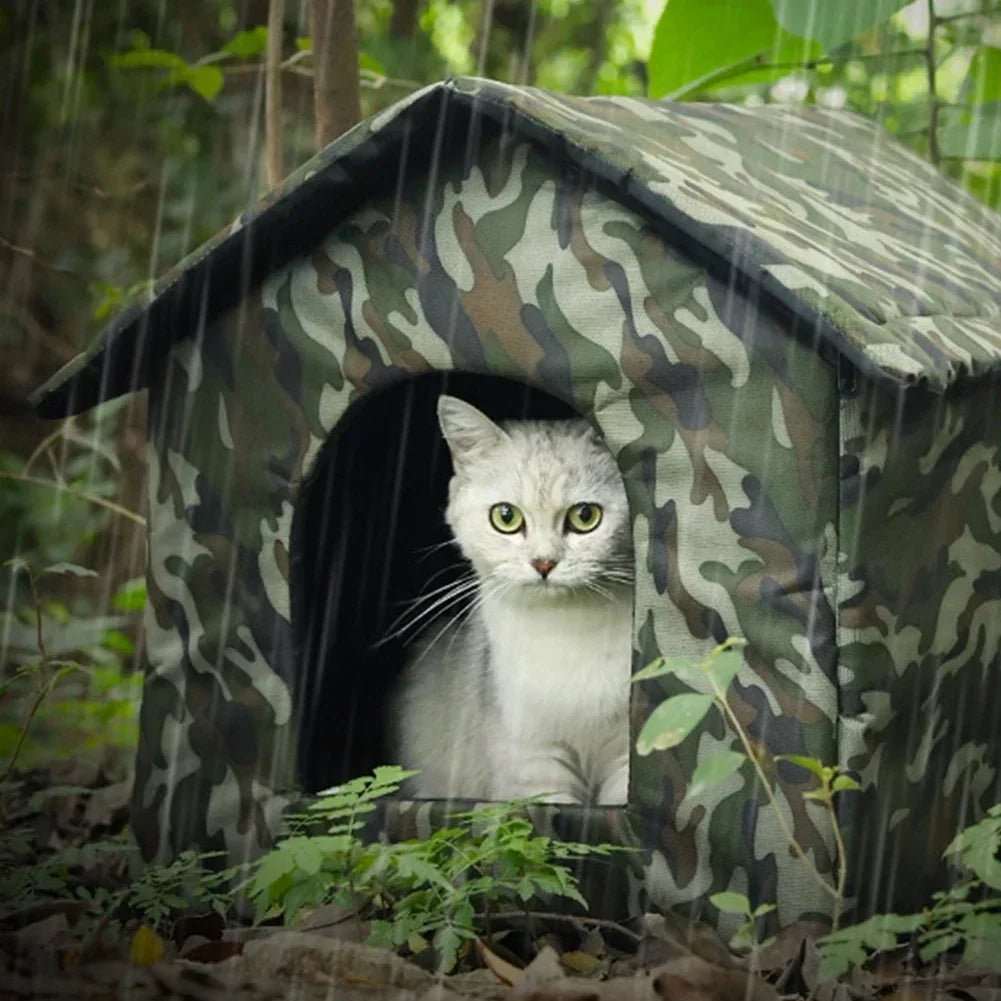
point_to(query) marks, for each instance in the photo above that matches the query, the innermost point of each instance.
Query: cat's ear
(469, 432)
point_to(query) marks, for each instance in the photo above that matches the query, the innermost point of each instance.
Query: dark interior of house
(368, 538)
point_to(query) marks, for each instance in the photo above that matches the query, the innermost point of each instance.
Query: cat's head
(537, 505)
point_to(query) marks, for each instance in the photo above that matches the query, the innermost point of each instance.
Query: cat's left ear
(468, 431)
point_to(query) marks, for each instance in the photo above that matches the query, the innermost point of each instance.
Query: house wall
(919, 617)
(723, 422)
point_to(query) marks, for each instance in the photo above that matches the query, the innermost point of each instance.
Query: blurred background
(131, 131)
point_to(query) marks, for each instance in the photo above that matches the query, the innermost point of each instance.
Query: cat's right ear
(469, 432)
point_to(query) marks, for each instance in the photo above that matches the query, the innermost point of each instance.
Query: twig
(934, 153)
(575, 919)
(118, 509)
(779, 816)
(757, 62)
(948, 18)
(273, 94)
(842, 866)
(40, 261)
(45, 444)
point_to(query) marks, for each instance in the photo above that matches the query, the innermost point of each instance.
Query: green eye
(584, 518)
(506, 518)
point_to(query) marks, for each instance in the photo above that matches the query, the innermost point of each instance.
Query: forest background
(130, 132)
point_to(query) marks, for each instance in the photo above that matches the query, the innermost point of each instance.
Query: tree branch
(934, 153)
(64, 488)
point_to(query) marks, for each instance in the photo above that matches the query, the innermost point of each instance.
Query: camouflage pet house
(788, 328)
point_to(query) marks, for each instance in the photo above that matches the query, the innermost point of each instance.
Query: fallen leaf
(693, 979)
(544, 969)
(505, 972)
(582, 962)
(788, 943)
(335, 921)
(146, 947)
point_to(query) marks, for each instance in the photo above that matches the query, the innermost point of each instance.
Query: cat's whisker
(464, 614)
(426, 595)
(453, 592)
(443, 601)
(425, 551)
(467, 575)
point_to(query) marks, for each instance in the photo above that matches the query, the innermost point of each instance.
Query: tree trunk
(336, 92)
(403, 23)
(273, 95)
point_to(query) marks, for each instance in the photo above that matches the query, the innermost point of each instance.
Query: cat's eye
(583, 518)
(506, 518)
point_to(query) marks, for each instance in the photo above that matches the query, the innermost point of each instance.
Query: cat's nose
(544, 567)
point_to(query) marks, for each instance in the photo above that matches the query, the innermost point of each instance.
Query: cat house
(787, 328)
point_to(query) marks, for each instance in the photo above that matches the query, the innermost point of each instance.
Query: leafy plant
(47, 647)
(430, 893)
(745, 937)
(965, 919)
(676, 717)
(186, 885)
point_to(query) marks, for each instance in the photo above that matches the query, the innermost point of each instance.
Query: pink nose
(544, 567)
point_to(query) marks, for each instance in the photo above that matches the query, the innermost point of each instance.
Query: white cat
(527, 693)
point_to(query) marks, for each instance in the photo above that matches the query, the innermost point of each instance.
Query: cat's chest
(559, 666)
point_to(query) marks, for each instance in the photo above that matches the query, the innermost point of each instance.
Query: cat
(525, 693)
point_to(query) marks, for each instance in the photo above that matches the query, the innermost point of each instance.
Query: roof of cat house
(897, 268)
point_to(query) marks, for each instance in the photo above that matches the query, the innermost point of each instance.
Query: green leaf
(205, 81)
(672, 721)
(148, 59)
(931, 948)
(131, 596)
(731, 903)
(304, 43)
(971, 134)
(713, 770)
(810, 764)
(977, 848)
(697, 42)
(664, 665)
(416, 943)
(244, 44)
(116, 640)
(843, 783)
(723, 667)
(833, 22)
(983, 79)
(370, 63)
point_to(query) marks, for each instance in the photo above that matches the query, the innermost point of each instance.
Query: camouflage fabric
(899, 269)
(919, 626)
(763, 473)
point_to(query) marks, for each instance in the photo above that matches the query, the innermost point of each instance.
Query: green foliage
(696, 41)
(977, 848)
(935, 83)
(673, 721)
(833, 24)
(416, 894)
(155, 895)
(159, 893)
(746, 936)
(965, 919)
(68, 689)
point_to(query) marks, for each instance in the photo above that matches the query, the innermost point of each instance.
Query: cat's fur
(528, 694)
